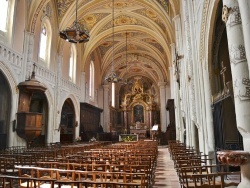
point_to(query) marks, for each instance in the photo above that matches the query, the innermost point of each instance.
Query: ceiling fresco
(146, 23)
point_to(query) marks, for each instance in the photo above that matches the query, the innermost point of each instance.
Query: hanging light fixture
(112, 77)
(76, 33)
(126, 80)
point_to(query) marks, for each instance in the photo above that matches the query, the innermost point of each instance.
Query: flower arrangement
(128, 138)
(93, 139)
(78, 139)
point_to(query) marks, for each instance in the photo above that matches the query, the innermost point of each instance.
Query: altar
(142, 133)
(138, 110)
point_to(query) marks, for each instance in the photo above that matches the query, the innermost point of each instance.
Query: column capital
(105, 87)
(176, 17)
(161, 84)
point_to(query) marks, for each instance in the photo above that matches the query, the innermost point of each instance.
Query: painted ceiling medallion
(148, 66)
(151, 14)
(123, 67)
(125, 20)
(122, 4)
(90, 19)
(135, 69)
(149, 40)
(132, 47)
(106, 44)
(129, 34)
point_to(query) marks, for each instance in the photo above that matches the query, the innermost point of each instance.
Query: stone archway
(67, 123)
(5, 108)
(224, 118)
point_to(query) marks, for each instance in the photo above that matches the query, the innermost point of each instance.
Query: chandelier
(76, 33)
(112, 77)
(126, 80)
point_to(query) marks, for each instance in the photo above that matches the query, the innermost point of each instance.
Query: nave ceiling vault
(148, 24)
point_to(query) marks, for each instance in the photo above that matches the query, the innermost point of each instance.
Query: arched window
(45, 41)
(3, 15)
(113, 95)
(72, 63)
(7, 19)
(91, 80)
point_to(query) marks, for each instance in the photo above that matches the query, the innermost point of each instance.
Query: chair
(65, 176)
(46, 177)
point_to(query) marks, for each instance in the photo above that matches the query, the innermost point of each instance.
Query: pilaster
(162, 86)
(28, 55)
(106, 111)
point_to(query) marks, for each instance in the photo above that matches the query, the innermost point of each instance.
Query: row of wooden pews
(101, 165)
(195, 169)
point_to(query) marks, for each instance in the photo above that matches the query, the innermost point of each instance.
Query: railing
(12, 57)
(45, 73)
(70, 86)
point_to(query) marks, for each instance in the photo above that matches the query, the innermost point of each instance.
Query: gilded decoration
(138, 96)
(125, 20)
(121, 4)
(154, 43)
(63, 6)
(152, 16)
(165, 4)
(90, 19)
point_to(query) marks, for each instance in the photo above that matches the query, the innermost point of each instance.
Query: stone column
(82, 81)
(240, 77)
(106, 118)
(209, 116)
(125, 120)
(28, 54)
(245, 17)
(239, 68)
(171, 73)
(162, 86)
(150, 119)
(176, 97)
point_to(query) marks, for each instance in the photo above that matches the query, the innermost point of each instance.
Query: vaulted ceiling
(147, 24)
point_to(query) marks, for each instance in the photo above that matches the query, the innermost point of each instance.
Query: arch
(76, 107)
(5, 110)
(45, 45)
(67, 122)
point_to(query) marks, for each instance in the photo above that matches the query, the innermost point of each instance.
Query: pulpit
(29, 123)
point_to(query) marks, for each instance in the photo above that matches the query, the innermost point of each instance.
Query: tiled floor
(165, 174)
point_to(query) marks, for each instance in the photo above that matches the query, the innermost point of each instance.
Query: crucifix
(177, 68)
(222, 72)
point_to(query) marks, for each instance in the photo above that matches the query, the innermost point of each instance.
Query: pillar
(240, 77)
(82, 81)
(239, 69)
(125, 120)
(210, 140)
(245, 17)
(162, 86)
(106, 118)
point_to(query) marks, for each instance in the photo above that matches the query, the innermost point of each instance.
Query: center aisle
(165, 174)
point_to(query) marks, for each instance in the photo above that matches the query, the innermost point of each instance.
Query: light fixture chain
(113, 31)
(76, 10)
(127, 52)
